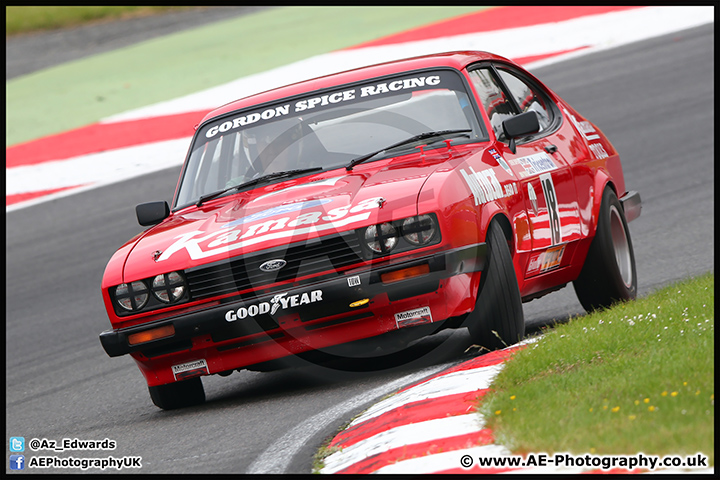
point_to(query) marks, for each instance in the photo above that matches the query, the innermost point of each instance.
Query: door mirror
(520, 126)
(152, 213)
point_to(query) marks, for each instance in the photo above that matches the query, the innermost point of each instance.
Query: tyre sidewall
(178, 395)
(600, 282)
(498, 308)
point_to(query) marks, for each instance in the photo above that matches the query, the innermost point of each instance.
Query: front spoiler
(337, 296)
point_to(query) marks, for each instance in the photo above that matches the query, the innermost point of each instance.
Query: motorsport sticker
(279, 301)
(533, 199)
(280, 210)
(585, 128)
(545, 261)
(598, 150)
(552, 258)
(485, 186)
(418, 316)
(190, 369)
(501, 161)
(353, 281)
(237, 234)
(330, 99)
(535, 164)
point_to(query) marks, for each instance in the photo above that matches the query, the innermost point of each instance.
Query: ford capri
(364, 210)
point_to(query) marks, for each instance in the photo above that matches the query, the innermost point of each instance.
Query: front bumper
(338, 299)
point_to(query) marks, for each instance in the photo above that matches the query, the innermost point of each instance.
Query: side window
(527, 98)
(494, 101)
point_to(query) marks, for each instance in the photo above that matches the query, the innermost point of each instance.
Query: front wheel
(497, 321)
(179, 394)
(608, 275)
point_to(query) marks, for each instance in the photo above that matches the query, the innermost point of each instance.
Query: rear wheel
(497, 321)
(178, 395)
(608, 275)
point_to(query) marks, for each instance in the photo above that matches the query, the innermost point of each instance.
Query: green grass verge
(635, 378)
(85, 91)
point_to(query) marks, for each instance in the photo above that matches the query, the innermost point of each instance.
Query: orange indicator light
(152, 334)
(405, 273)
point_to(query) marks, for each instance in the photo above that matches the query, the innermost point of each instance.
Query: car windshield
(328, 130)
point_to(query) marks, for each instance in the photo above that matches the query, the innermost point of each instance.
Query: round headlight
(131, 296)
(168, 288)
(381, 238)
(419, 230)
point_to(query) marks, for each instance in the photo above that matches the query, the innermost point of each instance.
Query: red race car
(367, 209)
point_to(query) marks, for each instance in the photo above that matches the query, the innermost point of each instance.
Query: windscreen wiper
(415, 138)
(255, 181)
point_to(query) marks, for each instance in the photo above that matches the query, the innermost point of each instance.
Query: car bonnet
(283, 213)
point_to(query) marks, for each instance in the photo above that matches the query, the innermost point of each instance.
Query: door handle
(551, 149)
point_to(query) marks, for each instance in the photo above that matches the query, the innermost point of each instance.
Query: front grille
(328, 254)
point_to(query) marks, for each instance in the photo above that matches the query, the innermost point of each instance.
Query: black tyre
(497, 321)
(608, 275)
(178, 395)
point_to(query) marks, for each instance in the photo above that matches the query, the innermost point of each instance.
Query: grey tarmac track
(655, 101)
